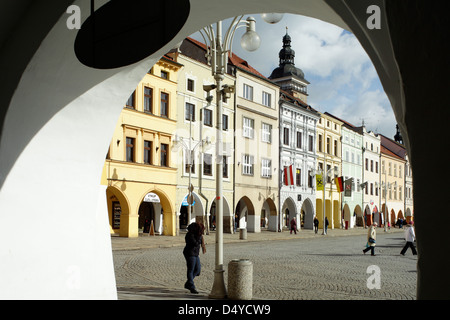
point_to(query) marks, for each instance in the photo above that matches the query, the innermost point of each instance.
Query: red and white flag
(288, 176)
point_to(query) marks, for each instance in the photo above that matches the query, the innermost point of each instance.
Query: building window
(311, 144)
(329, 145)
(148, 99)
(299, 139)
(320, 142)
(371, 165)
(131, 102)
(189, 111)
(130, 150)
(266, 99)
(208, 118)
(248, 128)
(367, 164)
(148, 152)
(164, 155)
(247, 165)
(266, 168)
(286, 136)
(225, 167)
(207, 164)
(164, 104)
(310, 179)
(190, 85)
(165, 75)
(298, 177)
(224, 122)
(336, 148)
(266, 134)
(248, 92)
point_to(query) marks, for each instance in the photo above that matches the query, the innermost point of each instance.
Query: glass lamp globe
(250, 41)
(272, 18)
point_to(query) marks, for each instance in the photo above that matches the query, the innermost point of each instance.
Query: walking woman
(371, 239)
(410, 236)
(193, 239)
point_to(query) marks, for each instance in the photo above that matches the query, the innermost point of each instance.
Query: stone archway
(118, 211)
(347, 216)
(244, 210)
(308, 209)
(289, 211)
(228, 218)
(59, 109)
(197, 213)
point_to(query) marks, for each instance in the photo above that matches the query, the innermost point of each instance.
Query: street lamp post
(217, 53)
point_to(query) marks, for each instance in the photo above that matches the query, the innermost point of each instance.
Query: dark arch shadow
(124, 32)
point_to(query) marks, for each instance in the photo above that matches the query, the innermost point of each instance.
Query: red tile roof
(233, 59)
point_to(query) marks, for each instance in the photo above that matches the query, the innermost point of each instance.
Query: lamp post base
(218, 290)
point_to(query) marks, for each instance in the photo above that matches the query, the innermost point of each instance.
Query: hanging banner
(348, 187)
(339, 183)
(288, 176)
(319, 182)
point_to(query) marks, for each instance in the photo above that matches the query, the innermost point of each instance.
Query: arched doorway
(347, 216)
(155, 206)
(197, 211)
(244, 209)
(393, 217)
(367, 217)
(228, 219)
(118, 211)
(308, 214)
(357, 212)
(289, 211)
(147, 217)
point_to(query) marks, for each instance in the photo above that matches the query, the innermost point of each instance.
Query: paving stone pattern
(319, 268)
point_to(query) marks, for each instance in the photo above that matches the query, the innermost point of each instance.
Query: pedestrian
(410, 236)
(194, 240)
(326, 225)
(293, 226)
(371, 239)
(316, 224)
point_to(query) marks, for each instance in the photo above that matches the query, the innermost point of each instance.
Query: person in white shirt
(410, 236)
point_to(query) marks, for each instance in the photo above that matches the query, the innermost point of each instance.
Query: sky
(343, 80)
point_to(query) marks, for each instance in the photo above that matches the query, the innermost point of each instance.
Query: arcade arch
(50, 53)
(308, 214)
(289, 211)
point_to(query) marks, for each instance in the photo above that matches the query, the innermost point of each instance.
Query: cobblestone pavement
(289, 267)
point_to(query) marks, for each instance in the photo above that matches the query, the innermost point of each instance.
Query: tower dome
(287, 66)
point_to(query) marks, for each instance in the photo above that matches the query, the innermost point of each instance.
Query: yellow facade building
(329, 160)
(139, 171)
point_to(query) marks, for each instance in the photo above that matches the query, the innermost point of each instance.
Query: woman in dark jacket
(193, 239)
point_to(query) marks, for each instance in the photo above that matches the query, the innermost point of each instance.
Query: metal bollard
(243, 234)
(240, 279)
